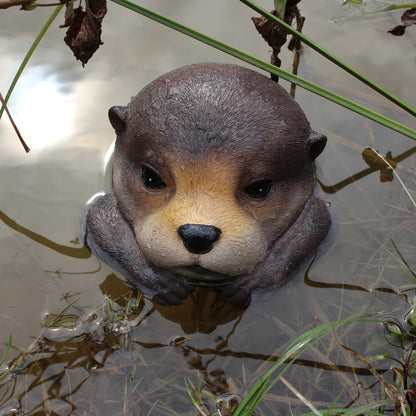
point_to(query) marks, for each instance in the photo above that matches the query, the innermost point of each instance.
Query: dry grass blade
(301, 397)
(193, 399)
(391, 391)
(403, 260)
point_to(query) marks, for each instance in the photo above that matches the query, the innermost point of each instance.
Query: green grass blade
(400, 128)
(385, 9)
(331, 57)
(280, 7)
(262, 386)
(61, 314)
(292, 352)
(9, 344)
(30, 53)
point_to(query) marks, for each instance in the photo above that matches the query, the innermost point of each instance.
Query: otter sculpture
(213, 183)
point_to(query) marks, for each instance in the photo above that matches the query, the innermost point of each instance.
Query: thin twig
(29, 4)
(25, 146)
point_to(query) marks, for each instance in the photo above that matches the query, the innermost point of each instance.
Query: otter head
(213, 163)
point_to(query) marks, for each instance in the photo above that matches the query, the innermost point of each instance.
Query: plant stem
(407, 131)
(406, 370)
(9, 345)
(385, 9)
(331, 57)
(16, 129)
(30, 53)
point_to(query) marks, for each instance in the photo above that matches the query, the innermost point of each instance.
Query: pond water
(82, 342)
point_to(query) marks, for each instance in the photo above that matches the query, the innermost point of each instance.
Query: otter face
(190, 218)
(209, 174)
(213, 178)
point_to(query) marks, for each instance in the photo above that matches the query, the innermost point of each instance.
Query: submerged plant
(62, 319)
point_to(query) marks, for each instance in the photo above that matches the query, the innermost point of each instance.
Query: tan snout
(203, 225)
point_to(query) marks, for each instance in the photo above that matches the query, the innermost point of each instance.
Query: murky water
(110, 353)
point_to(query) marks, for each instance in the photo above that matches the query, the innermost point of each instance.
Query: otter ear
(316, 144)
(118, 118)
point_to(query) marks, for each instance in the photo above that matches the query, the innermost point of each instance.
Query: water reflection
(137, 363)
(74, 372)
(376, 164)
(202, 311)
(76, 252)
(43, 110)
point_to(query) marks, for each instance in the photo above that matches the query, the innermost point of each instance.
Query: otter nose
(199, 238)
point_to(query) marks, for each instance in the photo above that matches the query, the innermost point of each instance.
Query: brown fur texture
(213, 184)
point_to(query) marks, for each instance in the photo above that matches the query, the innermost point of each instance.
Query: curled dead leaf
(275, 35)
(84, 29)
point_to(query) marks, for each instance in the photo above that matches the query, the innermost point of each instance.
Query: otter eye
(258, 189)
(151, 179)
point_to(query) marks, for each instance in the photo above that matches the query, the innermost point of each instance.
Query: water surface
(122, 356)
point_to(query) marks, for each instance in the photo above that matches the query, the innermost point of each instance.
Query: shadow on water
(375, 165)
